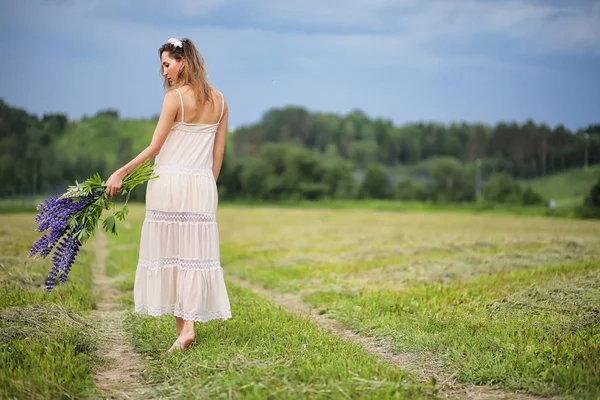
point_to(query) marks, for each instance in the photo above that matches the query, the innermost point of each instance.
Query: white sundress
(179, 269)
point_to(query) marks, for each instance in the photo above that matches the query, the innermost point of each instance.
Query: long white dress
(179, 269)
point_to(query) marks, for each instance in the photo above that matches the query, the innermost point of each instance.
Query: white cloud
(534, 24)
(274, 57)
(379, 32)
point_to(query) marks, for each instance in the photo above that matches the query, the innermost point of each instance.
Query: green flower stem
(95, 186)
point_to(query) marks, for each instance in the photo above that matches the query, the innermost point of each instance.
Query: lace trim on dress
(186, 264)
(171, 309)
(183, 169)
(180, 217)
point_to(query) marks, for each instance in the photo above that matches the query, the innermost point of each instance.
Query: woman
(179, 270)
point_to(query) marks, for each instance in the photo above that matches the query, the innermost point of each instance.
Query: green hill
(568, 188)
(106, 138)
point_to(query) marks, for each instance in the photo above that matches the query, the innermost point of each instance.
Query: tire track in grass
(425, 369)
(119, 377)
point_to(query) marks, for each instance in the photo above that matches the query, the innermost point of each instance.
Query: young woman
(179, 270)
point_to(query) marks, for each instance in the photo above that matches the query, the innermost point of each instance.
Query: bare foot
(186, 339)
(176, 346)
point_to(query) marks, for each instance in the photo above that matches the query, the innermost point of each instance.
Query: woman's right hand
(115, 181)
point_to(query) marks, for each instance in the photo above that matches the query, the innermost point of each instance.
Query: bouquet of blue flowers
(72, 218)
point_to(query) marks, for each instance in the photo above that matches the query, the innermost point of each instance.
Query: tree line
(292, 154)
(29, 162)
(525, 150)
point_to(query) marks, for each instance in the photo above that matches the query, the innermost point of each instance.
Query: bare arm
(165, 122)
(219, 148)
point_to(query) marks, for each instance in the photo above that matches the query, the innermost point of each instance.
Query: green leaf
(120, 215)
(109, 224)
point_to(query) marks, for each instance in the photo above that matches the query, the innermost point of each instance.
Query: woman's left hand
(114, 183)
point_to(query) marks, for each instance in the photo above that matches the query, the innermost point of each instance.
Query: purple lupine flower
(42, 247)
(54, 214)
(63, 258)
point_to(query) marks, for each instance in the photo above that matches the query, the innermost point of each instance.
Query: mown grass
(263, 352)
(502, 329)
(294, 273)
(46, 343)
(293, 249)
(407, 206)
(503, 301)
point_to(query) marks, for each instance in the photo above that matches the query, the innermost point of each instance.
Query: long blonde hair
(192, 71)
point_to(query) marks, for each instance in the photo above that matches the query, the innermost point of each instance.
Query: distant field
(568, 188)
(401, 206)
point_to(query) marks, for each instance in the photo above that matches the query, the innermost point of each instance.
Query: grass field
(484, 301)
(47, 346)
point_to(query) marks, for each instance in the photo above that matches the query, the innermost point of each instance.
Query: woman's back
(191, 141)
(208, 112)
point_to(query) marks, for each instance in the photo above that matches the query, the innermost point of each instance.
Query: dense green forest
(526, 150)
(292, 154)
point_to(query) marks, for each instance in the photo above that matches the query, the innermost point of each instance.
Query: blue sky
(404, 60)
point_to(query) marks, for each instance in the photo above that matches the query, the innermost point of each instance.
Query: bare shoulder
(217, 93)
(219, 97)
(171, 100)
(171, 94)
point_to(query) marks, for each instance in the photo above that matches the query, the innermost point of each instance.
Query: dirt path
(119, 378)
(424, 369)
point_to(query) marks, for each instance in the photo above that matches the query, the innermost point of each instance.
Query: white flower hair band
(175, 42)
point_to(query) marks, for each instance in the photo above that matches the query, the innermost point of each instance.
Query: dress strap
(181, 99)
(222, 106)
